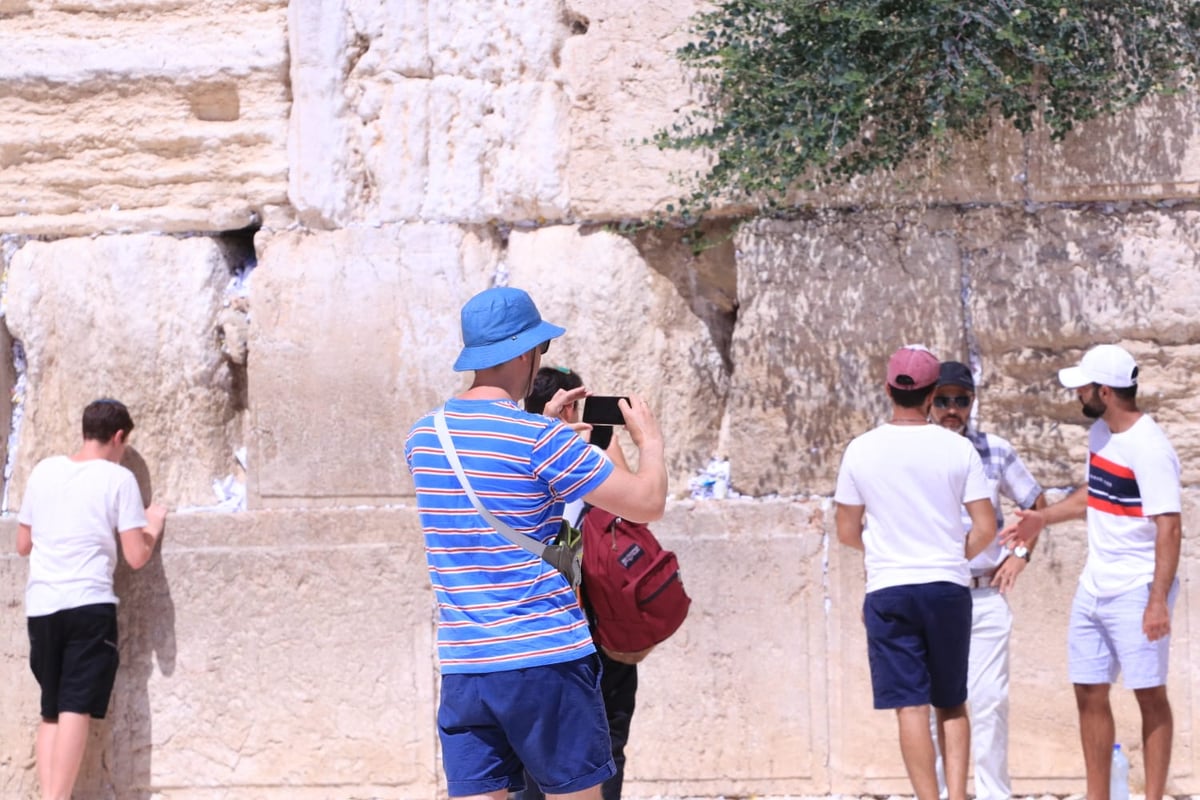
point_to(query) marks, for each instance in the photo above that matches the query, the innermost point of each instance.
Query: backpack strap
(561, 558)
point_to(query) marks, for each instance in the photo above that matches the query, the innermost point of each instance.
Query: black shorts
(73, 655)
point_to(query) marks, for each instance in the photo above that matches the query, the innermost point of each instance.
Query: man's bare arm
(983, 526)
(849, 522)
(1156, 622)
(637, 496)
(24, 540)
(1030, 523)
(138, 543)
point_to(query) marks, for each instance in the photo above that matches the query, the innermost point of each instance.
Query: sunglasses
(959, 401)
(544, 346)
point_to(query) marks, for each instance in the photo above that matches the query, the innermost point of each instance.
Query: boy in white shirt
(73, 509)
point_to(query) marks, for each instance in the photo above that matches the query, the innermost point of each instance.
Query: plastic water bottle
(1118, 782)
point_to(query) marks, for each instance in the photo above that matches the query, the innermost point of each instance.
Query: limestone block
(734, 704)
(130, 317)
(352, 338)
(18, 689)
(1073, 278)
(498, 41)
(630, 329)
(990, 168)
(250, 666)
(101, 135)
(1147, 152)
(402, 112)
(625, 85)
(823, 302)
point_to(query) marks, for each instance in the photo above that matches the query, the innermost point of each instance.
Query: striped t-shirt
(1132, 476)
(499, 606)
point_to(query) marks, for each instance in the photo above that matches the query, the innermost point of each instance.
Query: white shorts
(1105, 639)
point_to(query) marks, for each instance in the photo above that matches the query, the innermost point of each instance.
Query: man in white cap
(520, 683)
(1121, 616)
(900, 494)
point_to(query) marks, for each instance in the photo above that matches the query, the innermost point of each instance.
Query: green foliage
(800, 93)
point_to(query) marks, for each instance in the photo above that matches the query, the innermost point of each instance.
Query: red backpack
(631, 584)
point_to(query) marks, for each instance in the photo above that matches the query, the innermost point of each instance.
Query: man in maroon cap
(900, 493)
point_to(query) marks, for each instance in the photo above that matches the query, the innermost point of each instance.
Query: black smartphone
(601, 436)
(602, 410)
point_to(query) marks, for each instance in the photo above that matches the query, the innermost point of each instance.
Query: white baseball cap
(1105, 364)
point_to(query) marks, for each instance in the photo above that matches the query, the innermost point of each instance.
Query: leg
(531, 791)
(916, 747)
(591, 793)
(954, 736)
(44, 749)
(1158, 727)
(1097, 731)
(938, 765)
(987, 690)
(60, 746)
(618, 683)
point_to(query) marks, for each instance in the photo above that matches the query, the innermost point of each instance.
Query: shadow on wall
(120, 754)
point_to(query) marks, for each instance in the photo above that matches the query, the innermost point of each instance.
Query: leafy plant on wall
(801, 93)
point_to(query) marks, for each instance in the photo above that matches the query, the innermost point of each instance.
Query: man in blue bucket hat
(520, 683)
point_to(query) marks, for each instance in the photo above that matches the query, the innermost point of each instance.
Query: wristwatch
(1021, 551)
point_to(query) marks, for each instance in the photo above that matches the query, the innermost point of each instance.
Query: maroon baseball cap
(912, 367)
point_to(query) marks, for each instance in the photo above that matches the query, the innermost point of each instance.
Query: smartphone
(601, 436)
(602, 410)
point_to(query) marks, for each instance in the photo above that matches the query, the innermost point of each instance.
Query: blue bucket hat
(499, 324)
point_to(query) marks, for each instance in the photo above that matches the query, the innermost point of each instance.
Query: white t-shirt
(1131, 477)
(913, 480)
(75, 509)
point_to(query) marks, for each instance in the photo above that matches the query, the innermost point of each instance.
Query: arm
(1156, 621)
(616, 454)
(849, 522)
(637, 496)
(1030, 523)
(983, 526)
(138, 543)
(24, 540)
(1012, 566)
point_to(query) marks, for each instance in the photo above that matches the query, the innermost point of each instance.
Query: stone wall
(375, 165)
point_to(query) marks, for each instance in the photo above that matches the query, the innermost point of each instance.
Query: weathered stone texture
(437, 111)
(182, 131)
(703, 726)
(1018, 293)
(130, 317)
(263, 656)
(630, 329)
(1046, 286)
(352, 338)
(260, 657)
(625, 85)
(1147, 152)
(822, 304)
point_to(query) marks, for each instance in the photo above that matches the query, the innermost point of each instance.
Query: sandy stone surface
(130, 317)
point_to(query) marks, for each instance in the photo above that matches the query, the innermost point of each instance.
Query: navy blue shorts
(73, 655)
(548, 720)
(918, 644)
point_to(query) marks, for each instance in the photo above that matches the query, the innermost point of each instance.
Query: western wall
(255, 223)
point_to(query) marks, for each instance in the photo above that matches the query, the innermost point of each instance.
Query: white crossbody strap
(561, 558)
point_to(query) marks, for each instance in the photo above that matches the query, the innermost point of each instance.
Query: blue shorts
(918, 644)
(548, 720)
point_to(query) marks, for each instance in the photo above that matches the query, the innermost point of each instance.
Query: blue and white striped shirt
(499, 606)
